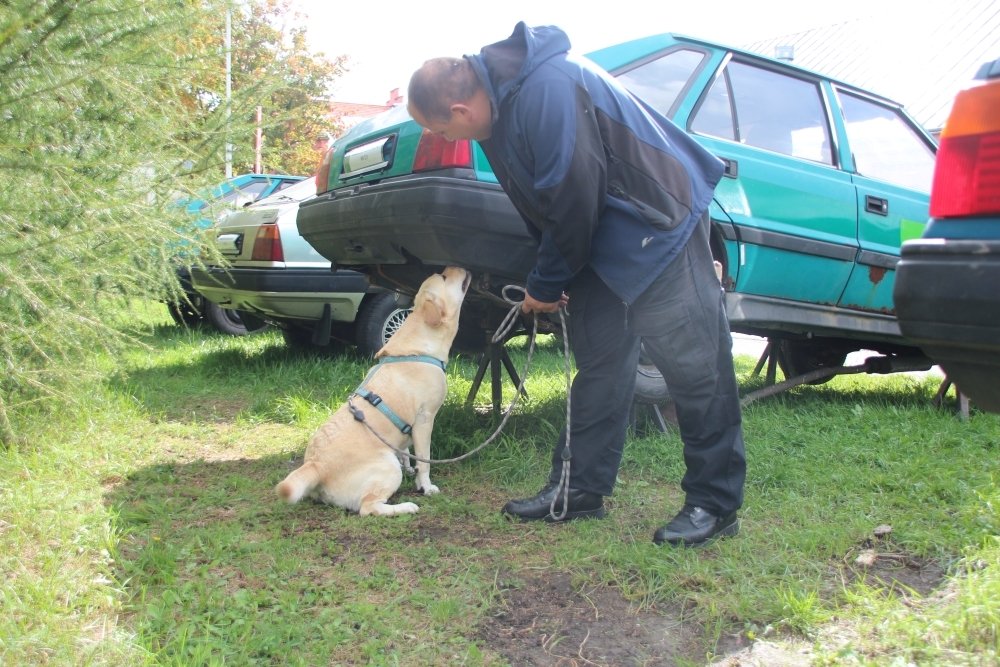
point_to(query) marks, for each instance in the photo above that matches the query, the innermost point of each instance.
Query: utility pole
(257, 143)
(229, 90)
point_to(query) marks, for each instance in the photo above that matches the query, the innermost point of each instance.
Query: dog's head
(434, 323)
(440, 297)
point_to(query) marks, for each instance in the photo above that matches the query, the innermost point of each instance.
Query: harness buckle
(373, 398)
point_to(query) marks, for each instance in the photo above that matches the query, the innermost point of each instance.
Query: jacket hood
(505, 64)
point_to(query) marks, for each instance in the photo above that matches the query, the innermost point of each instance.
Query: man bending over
(617, 197)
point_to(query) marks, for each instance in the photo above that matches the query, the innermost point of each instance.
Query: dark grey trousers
(681, 321)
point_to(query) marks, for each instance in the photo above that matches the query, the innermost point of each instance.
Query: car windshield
(300, 191)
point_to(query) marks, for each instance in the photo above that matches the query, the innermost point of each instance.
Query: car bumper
(283, 293)
(433, 220)
(947, 299)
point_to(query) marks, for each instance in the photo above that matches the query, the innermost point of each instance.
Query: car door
(794, 209)
(893, 168)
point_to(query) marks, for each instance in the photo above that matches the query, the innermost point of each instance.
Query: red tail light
(436, 152)
(967, 172)
(267, 245)
(323, 173)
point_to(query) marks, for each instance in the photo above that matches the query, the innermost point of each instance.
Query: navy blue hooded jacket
(598, 176)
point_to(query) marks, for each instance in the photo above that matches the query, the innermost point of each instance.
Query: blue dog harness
(377, 401)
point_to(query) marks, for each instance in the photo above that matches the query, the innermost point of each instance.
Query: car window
(715, 116)
(885, 146)
(285, 185)
(243, 195)
(659, 82)
(779, 113)
(299, 191)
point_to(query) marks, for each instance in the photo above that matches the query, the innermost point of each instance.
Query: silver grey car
(275, 276)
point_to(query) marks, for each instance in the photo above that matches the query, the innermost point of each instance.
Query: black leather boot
(694, 526)
(581, 505)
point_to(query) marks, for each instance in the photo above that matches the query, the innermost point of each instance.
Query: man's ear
(431, 311)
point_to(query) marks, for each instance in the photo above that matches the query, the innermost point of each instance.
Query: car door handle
(876, 205)
(732, 169)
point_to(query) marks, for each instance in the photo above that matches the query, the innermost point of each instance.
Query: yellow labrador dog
(346, 465)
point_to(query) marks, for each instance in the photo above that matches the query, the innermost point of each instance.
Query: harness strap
(377, 401)
(434, 361)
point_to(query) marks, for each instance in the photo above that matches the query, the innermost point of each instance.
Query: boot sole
(732, 530)
(583, 514)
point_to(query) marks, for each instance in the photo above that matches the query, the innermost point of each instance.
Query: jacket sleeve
(560, 138)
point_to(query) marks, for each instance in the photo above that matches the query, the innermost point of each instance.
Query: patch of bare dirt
(879, 562)
(214, 408)
(545, 621)
(898, 570)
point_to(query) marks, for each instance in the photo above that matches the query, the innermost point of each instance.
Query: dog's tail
(298, 483)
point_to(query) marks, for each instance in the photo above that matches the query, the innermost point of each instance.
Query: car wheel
(650, 387)
(379, 319)
(796, 357)
(184, 313)
(225, 320)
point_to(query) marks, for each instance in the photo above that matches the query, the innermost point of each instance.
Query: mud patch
(544, 621)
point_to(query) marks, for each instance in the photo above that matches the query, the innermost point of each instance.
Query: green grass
(140, 526)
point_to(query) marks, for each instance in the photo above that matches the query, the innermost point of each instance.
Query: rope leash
(566, 455)
(506, 326)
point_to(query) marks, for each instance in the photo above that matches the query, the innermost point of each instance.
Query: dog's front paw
(427, 489)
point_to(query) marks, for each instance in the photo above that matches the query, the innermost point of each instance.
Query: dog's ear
(432, 311)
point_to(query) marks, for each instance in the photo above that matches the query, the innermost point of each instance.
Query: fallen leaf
(883, 530)
(866, 558)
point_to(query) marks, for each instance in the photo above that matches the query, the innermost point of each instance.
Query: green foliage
(113, 116)
(270, 56)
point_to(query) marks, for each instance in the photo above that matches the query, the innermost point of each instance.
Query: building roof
(355, 109)
(921, 63)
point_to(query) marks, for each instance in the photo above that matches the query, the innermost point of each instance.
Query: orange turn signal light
(976, 111)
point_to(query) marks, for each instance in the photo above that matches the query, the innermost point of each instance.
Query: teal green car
(823, 182)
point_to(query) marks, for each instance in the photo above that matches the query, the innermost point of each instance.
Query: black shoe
(581, 505)
(693, 526)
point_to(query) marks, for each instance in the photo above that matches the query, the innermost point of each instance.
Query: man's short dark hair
(440, 83)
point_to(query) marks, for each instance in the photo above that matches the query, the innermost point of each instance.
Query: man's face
(470, 120)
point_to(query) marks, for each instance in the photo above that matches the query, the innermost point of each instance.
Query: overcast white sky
(388, 39)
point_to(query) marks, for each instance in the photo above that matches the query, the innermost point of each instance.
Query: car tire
(796, 357)
(650, 387)
(225, 320)
(379, 318)
(186, 313)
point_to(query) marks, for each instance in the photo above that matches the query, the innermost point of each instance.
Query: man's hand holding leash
(533, 305)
